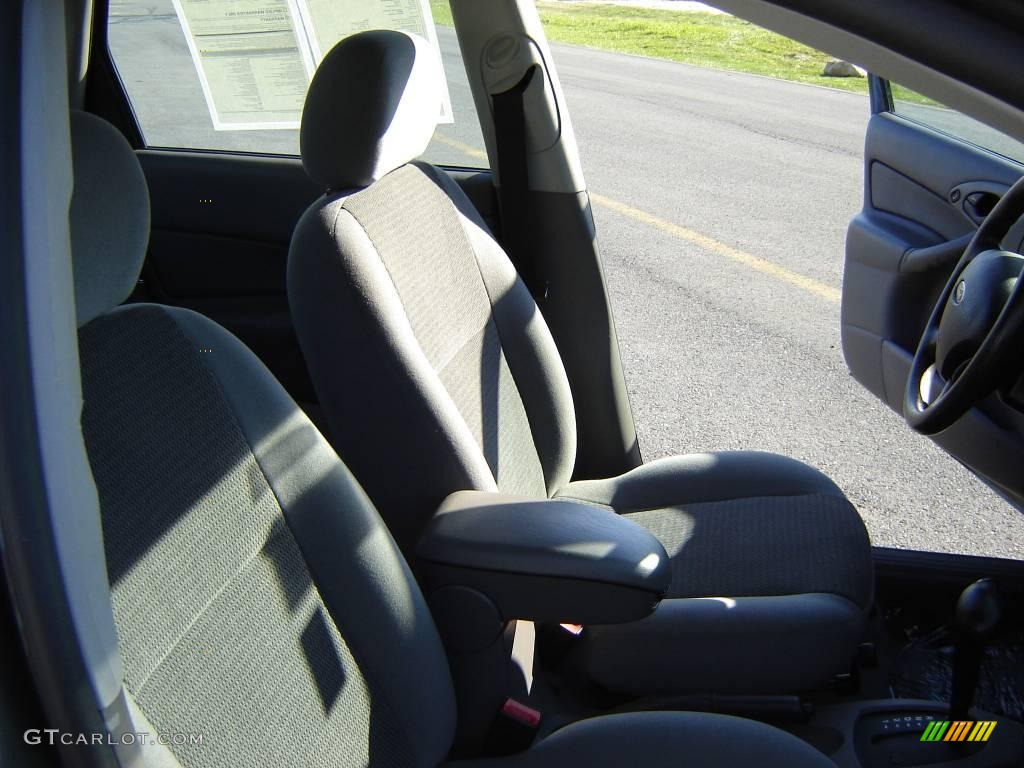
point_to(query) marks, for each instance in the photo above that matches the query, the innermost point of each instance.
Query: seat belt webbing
(510, 136)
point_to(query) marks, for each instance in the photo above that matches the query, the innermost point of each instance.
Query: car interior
(341, 470)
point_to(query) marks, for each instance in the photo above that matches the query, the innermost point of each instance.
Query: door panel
(900, 250)
(221, 225)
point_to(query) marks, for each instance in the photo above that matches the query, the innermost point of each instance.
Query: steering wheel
(972, 341)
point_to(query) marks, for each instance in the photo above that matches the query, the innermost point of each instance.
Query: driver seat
(437, 373)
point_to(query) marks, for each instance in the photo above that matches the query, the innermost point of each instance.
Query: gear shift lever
(977, 618)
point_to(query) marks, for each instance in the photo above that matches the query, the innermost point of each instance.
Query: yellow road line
(463, 148)
(764, 266)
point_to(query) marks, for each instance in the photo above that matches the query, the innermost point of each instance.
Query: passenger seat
(437, 373)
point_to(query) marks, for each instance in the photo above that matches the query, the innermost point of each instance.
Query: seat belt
(510, 136)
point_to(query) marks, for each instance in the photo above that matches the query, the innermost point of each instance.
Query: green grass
(441, 11)
(710, 40)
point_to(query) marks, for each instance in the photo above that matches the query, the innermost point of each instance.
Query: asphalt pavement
(721, 356)
(722, 201)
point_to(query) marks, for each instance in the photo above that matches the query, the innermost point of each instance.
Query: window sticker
(255, 58)
(331, 21)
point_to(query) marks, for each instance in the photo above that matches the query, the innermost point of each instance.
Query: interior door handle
(976, 199)
(978, 205)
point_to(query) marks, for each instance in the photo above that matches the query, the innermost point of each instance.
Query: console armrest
(546, 560)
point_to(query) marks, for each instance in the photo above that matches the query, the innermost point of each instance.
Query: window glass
(196, 80)
(922, 109)
(723, 178)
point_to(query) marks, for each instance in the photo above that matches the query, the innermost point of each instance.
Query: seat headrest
(372, 107)
(109, 216)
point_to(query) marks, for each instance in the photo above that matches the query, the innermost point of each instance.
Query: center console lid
(545, 560)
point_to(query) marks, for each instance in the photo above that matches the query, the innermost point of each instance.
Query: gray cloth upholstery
(371, 107)
(437, 373)
(525, 340)
(743, 523)
(109, 216)
(426, 360)
(260, 601)
(365, 583)
(219, 618)
(663, 740)
(762, 547)
(704, 477)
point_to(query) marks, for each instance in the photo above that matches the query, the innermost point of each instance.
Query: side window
(231, 75)
(921, 109)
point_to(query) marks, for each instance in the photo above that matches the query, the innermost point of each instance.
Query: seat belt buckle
(573, 629)
(514, 728)
(520, 713)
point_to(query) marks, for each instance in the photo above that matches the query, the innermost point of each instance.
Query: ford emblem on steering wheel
(958, 293)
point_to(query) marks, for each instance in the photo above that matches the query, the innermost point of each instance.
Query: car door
(931, 175)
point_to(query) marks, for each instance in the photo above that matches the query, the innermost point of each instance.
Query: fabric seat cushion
(771, 576)
(743, 523)
(762, 545)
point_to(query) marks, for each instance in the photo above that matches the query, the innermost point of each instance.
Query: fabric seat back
(420, 337)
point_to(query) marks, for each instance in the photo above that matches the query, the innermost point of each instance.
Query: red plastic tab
(521, 713)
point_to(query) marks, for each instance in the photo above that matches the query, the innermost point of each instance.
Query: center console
(900, 732)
